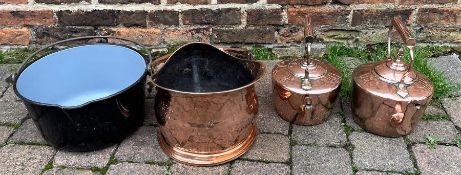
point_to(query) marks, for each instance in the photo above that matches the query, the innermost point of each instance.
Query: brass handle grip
(403, 31)
(308, 30)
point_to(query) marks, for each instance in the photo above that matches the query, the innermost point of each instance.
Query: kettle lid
(396, 71)
(290, 75)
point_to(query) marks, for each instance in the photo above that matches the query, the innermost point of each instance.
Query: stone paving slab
(267, 120)
(270, 147)
(452, 106)
(12, 112)
(444, 131)
(330, 133)
(141, 147)
(126, 168)
(181, 169)
(321, 160)
(27, 133)
(449, 65)
(347, 111)
(149, 119)
(374, 173)
(5, 71)
(68, 171)
(259, 168)
(372, 152)
(264, 86)
(434, 110)
(5, 133)
(9, 95)
(24, 159)
(97, 159)
(444, 160)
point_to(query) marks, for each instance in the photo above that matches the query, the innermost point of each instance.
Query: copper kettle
(305, 89)
(389, 96)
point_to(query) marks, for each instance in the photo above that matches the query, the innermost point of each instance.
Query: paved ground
(338, 146)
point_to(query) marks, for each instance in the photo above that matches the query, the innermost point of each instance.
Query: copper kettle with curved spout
(305, 89)
(389, 96)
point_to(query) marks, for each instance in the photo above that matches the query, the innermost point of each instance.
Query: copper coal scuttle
(206, 104)
(305, 89)
(388, 96)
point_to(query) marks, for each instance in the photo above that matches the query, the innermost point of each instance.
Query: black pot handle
(13, 78)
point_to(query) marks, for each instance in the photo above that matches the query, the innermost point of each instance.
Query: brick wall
(224, 22)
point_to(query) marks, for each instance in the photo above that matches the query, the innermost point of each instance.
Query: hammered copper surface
(208, 128)
(389, 97)
(305, 88)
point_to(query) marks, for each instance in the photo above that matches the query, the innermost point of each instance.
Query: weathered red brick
(13, 1)
(47, 35)
(419, 2)
(60, 1)
(23, 18)
(237, 1)
(88, 18)
(128, 1)
(163, 17)
(189, 1)
(148, 37)
(263, 35)
(290, 34)
(339, 35)
(132, 18)
(440, 35)
(347, 2)
(181, 35)
(378, 17)
(298, 2)
(264, 17)
(227, 16)
(14, 36)
(321, 16)
(439, 17)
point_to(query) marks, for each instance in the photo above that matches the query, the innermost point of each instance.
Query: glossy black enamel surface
(87, 97)
(93, 126)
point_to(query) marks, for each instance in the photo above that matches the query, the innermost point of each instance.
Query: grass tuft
(348, 129)
(262, 53)
(48, 166)
(431, 141)
(428, 117)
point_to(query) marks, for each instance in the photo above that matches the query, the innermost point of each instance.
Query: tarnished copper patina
(388, 96)
(206, 104)
(305, 89)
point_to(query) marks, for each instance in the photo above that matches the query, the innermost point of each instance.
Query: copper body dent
(305, 89)
(206, 104)
(388, 96)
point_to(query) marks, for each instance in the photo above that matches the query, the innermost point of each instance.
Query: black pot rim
(141, 79)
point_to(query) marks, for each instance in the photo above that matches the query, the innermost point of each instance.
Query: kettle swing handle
(308, 40)
(409, 42)
(397, 23)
